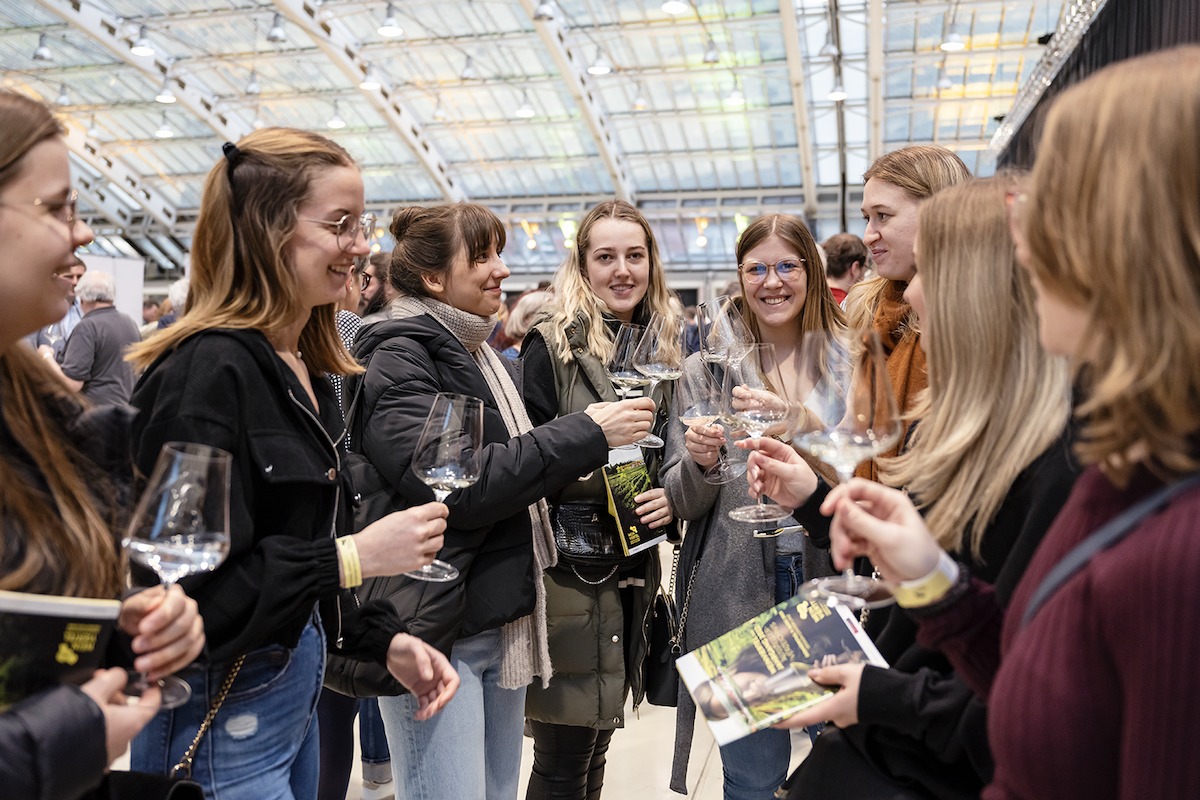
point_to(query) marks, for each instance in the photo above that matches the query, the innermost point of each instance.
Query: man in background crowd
(93, 362)
(177, 300)
(378, 293)
(846, 263)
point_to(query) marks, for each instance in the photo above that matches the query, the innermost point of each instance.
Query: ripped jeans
(263, 743)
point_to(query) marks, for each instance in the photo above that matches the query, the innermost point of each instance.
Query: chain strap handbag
(184, 768)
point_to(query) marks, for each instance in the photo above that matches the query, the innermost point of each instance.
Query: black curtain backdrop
(1124, 29)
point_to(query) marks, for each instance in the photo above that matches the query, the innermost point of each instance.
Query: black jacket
(489, 534)
(290, 496)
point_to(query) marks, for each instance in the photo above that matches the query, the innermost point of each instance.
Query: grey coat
(735, 578)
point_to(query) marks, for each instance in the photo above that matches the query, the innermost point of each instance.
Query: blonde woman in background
(523, 313)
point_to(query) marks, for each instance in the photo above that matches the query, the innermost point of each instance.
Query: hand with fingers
(623, 422)
(124, 717)
(775, 469)
(403, 541)
(880, 523)
(704, 443)
(167, 631)
(424, 671)
(654, 509)
(841, 709)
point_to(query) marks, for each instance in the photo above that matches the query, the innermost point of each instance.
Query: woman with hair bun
(491, 619)
(243, 369)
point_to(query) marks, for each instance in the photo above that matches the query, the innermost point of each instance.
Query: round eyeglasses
(347, 228)
(65, 211)
(789, 269)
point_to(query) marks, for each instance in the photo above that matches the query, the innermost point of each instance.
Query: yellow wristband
(348, 557)
(923, 591)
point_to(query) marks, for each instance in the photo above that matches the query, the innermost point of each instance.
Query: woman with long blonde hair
(989, 463)
(244, 369)
(612, 275)
(65, 485)
(1088, 672)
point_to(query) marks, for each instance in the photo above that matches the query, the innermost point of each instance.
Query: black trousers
(568, 762)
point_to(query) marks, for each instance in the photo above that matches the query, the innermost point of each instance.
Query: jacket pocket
(284, 457)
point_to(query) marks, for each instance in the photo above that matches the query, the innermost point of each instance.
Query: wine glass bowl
(855, 592)
(698, 393)
(622, 370)
(447, 458)
(180, 526)
(752, 401)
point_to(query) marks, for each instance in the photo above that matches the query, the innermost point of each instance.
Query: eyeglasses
(788, 270)
(347, 228)
(366, 280)
(65, 211)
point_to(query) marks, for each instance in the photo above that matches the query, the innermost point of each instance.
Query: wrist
(931, 587)
(350, 572)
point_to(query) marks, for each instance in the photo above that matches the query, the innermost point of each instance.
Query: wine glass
(752, 401)
(849, 417)
(181, 527)
(698, 394)
(724, 335)
(447, 458)
(659, 356)
(621, 370)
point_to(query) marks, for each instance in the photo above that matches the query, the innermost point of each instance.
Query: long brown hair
(821, 312)
(240, 277)
(995, 399)
(64, 535)
(428, 240)
(574, 296)
(921, 170)
(1113, 225)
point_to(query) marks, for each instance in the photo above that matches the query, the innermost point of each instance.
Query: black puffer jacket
(489, 534)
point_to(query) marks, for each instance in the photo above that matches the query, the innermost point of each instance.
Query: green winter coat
(594, 666)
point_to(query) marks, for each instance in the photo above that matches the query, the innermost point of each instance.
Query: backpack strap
(1105, 537)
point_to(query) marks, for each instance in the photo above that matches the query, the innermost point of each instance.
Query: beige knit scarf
(526, 652)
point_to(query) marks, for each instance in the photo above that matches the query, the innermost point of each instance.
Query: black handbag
(585, 535)
(662, 679)
(121, 785)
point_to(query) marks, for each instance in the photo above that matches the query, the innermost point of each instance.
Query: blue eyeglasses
(789, 269)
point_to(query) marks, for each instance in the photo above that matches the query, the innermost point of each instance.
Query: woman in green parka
(599, 619)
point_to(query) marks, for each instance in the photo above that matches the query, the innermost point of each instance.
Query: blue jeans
(789, 574)
(372, 739)
(471, 750)
(757, 765)
(263, 744)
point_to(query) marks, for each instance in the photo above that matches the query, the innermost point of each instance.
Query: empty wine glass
(752, 401)
(622, 371)
(447, 458)
(659, 356)
(698, 394)
(724, 335)
(849, 417)
(181, 527)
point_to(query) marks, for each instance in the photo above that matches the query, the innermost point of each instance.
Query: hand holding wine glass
(622, 371)
(752, 401)
(181, 526)
(881, 523)
(447, 459)
(698, 395)
(659, 356)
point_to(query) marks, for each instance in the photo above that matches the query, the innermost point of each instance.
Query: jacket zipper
(337, 498)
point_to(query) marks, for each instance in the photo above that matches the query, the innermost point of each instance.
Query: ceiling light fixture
(601, 65)
(259, 123)
(675, 7)
(838, 93)
(252, 85)
(701, 227)
(63, 98)
(829, 49)
(735, 98)
(390, 27)
(469, 73)
(277, 34)
(639, 100)
(93, 132)
(954, 40)
(141, 45)
(42, 51)
(943, 79)
(164, 130)
(370, 80)
(166, 94)
(711, 54)
(544, 13)
(336, 122)
(525, 110)
(439, 111)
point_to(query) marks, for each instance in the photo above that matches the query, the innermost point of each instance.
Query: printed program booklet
(626, 480)
(757, 674)
(47, 641)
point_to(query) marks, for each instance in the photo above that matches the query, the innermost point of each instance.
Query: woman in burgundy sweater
(1096, 697)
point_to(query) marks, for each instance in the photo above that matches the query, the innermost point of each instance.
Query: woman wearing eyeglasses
(738, 575)
(243, 369)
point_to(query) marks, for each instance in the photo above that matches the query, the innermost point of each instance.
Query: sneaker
(378, 791)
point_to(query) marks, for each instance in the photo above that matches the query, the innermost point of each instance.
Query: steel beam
(337, 42)
(572, 66)
(190, 93)
(795, 67)
(124, 176)
(875, 80)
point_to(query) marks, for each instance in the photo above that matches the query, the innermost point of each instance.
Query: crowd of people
(1039, 332)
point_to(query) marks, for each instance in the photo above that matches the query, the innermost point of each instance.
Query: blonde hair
(573, 294)
(821, 312)
(1113, 225)
(921, 170)
(240, 277)
(995, 399)
(63, 535)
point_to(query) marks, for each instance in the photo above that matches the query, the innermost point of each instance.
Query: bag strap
(1105, 537)
(185, 764)
(677, 640)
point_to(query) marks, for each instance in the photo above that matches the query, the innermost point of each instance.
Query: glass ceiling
(503, 110)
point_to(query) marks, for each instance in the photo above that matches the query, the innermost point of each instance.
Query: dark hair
(24, 124)
(841, 251)
(428, 240)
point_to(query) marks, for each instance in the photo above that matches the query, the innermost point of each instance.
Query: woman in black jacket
(990, 463)
(280, 224)
(491, 620)
(65, 479)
